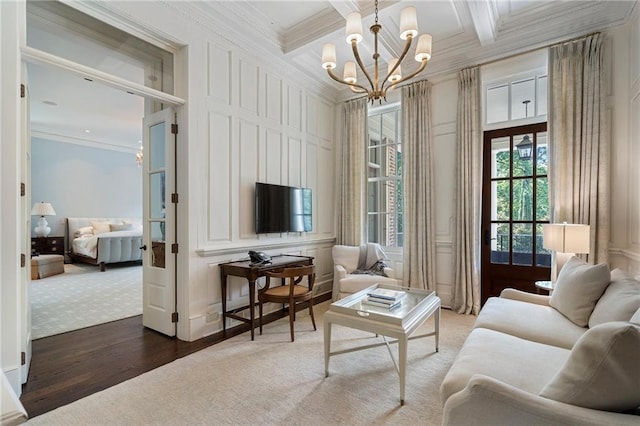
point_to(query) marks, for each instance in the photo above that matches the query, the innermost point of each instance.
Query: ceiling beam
(484, 15)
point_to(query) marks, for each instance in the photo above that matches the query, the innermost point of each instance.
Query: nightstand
(47, 245)
(544, 285)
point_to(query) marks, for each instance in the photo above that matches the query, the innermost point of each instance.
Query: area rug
(272, 381)
(83, 296)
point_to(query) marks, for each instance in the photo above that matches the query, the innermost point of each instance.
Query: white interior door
(25, 231)
(159, 218)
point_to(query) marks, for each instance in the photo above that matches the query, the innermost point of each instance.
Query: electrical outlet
(212, 316)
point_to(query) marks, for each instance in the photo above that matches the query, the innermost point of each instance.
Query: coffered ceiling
(290, 35)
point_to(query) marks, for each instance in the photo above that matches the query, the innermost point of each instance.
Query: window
(384, 178)
(520, 99)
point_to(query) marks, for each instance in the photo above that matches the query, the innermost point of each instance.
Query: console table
(252, 271)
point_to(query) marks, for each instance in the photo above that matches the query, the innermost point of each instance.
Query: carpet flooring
(272, 381)
(83, 296)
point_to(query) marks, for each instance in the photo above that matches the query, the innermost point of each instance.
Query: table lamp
(565, 239)
(42, 209)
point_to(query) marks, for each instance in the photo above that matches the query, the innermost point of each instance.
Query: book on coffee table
(386, 294)
(383, 303)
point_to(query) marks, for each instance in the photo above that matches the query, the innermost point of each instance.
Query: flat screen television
(282, 208)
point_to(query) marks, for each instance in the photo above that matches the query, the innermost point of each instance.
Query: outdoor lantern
(525, 148)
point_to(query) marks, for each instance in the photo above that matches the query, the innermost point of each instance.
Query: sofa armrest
(389, 272)
(487, 401)
(523, 296)
(339, 271)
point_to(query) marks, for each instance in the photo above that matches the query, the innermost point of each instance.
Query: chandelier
(376, 89)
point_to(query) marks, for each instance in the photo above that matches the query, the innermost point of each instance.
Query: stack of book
(384, 298)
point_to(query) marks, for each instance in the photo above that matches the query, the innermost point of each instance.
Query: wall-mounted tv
(282, 208)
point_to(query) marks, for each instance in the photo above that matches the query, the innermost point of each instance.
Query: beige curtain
(352, 181)
(417, 177)
(578, 139)
(466, 232)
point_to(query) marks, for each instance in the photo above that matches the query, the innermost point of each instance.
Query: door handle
(144, 247)
(487, 237)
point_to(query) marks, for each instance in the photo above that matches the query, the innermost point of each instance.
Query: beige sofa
(572, 358)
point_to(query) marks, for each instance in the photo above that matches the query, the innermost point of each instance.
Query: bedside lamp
(42, 209)
(566, 240)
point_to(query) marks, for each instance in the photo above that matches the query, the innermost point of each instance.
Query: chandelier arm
(407, 45)
(352, 85)
(418, 71)
(354, 47)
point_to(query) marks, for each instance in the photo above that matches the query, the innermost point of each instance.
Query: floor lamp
(566, 239)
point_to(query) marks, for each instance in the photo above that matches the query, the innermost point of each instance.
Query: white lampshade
(43, 209)
(423, 48)
(408, 23)
(566, 237)
(349, 74)
(329, 56)
(565, 240)
(397, 74)
(353, 29)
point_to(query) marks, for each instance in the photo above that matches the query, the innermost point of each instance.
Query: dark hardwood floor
(70, 366)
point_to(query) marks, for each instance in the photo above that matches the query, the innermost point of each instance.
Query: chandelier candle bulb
(408, 23)
(329, 56)
(423, 48)
(353, 29)
(350, 72)
(397, 74)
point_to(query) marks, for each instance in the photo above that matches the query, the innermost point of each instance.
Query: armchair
(350, 259)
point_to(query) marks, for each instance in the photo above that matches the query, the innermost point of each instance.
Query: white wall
(444, 113)
(245, 120)
(625, 154)
(84, 181)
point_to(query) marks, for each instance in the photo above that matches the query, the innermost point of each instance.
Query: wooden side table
(544, 286)
(47, 245)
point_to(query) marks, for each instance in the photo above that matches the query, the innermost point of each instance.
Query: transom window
(384, 178)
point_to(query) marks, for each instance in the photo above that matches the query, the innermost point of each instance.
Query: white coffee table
(398, 323)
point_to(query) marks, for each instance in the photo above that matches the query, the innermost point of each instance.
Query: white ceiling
(292, 33)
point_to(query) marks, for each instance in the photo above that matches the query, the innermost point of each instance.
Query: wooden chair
(290, 293)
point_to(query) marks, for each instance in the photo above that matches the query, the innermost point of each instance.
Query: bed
(100, 241)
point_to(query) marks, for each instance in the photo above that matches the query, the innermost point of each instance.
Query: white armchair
(347, 259)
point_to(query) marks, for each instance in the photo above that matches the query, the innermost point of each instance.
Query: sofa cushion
(620, 300)
(538, 323)
(602, 371)
(518, 362)
(578, 288)
(346, 256)
(636, 317)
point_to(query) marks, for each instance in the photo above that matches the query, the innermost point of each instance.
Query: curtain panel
(579, 139)
(352, 181)
(417, 177)
(466, 232)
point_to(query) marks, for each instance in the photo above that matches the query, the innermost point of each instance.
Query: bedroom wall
(84, 181)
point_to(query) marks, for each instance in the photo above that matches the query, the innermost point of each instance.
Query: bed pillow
(578, 288)
(602, 371)
(124, 227)
(620, 300)
(101, 227)
(84, 231)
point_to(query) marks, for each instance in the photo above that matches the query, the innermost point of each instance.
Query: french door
(515, 204)
(159, 217)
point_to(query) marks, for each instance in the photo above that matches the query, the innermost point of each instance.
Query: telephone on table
(259, 257)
